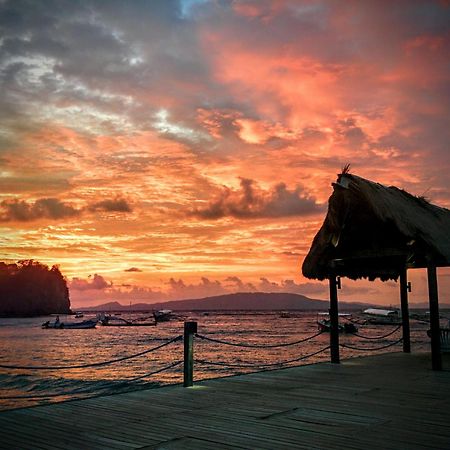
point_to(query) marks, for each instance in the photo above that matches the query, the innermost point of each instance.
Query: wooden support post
(190, 328)
(334, 321)
(405, 311)
(436, 359)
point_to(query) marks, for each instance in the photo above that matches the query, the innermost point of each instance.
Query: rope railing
(377, 337)
(190, 332)
(364, 349)
(242, 366)
(88, 391)
(96, 364)
(236, 344)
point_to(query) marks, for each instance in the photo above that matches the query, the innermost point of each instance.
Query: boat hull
(87, 324)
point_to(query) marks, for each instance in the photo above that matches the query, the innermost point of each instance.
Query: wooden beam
(405, 311)
(436, 358)
(334, 321)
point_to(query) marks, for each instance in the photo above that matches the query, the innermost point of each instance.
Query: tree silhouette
(30, 288)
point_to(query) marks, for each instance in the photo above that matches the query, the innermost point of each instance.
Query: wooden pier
(391, 401)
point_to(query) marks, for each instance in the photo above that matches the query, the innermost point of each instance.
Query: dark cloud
(97, 283)
(49, 208)
(351, 133)
(133, 269)
(116, 205)
(236, 284)
(53, 208)
(251, 202)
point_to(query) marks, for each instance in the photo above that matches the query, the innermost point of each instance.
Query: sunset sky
(176, 149)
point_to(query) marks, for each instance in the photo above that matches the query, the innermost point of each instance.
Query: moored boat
(163, 315)
(85, 324)
(324, 324)
(113, 321)
(377, 316)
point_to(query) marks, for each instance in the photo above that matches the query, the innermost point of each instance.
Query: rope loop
(97, 364)
(87, 391)
(281, 363)
(376, 337)
(236, 344)
(372, 349)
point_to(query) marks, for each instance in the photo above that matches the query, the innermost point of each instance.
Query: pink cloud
(97, 283)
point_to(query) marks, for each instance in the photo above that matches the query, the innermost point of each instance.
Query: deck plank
(386, 401)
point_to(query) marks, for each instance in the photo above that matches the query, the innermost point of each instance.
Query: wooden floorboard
(392, 401)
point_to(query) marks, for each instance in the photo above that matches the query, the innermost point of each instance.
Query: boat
(324, 324)
(113, 321)
(79, 315)
(163, 315)
(85, 324)
(377, 316)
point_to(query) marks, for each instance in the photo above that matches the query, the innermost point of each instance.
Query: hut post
(436, 359)
(405, 310)
(334, 320)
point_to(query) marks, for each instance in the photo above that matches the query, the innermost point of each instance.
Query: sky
(173, 149)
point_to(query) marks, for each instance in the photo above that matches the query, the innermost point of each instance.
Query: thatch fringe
(373, 230)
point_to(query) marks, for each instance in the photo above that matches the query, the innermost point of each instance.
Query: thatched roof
(373, 231)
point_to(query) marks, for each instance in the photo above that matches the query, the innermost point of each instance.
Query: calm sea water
(24, 343)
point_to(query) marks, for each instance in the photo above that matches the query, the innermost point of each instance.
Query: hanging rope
(86, 391)
(216, 363)
(371, 349)
(97, 364)
(236, 344)
(376, 337)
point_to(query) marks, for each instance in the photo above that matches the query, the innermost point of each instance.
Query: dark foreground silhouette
(30, 288)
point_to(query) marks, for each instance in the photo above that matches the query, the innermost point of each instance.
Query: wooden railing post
(436, 359)
(405, 311)
(334, 320)
(190, 328)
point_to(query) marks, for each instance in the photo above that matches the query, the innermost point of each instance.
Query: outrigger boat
(377, 316)
(113, 321)
(163, 315)
(324, 324)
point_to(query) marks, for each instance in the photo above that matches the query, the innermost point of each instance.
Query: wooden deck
(391, 401)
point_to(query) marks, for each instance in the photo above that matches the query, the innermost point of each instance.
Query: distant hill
(251, 301)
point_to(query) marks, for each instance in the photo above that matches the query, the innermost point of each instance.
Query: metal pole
(190, 328)
(405, 311)
(436, 359)
(334, 321)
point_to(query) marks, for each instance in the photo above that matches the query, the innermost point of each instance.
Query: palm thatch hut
(374, 231)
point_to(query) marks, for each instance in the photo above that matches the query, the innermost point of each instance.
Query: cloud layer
(126, 127)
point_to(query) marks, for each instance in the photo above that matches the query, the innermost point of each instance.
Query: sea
(123, 359)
